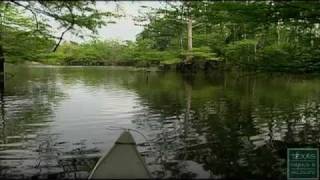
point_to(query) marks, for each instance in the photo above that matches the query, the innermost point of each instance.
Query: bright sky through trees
(124, 28)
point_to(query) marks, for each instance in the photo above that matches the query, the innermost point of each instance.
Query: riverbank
(112, 67)
(192, 67)
(142, 54)
(196, 65)
(155, 65)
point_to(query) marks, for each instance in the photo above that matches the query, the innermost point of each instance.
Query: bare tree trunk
(255, 51)
(278, 34)
(189, 57)
(189, 34)
(311, 37)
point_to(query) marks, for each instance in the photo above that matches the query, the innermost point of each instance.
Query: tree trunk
(255, 51)
(278, 34)
(189, 34)
(189, 56)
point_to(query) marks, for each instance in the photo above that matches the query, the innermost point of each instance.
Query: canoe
(123, 161)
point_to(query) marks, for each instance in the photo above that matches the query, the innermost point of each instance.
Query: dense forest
(251, 35)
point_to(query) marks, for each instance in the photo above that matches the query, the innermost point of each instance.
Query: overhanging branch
(62, 34)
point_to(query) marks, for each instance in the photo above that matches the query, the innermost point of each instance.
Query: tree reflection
(218, 125)
(233, 128)
(26, 107)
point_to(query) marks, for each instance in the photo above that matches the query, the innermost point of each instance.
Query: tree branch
(40, 11)
(62, 34)
(199, 24)
(61, 37)
(27, 7)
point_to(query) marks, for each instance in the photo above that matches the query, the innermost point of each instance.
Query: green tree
(33, 19)
(251, 34)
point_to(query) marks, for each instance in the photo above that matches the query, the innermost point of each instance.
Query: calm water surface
(57, 121)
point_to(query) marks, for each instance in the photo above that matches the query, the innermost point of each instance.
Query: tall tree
(257, 34)
(181, 17)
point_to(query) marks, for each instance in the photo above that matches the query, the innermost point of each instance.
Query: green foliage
(275, 35)
(91, 53)
(68, 14)
(26, 33)
(278, 54)
(19, 47)
(201, 53)
(97, 52)
(241, 52)
(18, 40)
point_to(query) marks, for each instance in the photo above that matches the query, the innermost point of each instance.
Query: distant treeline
(255, 35)
(98, 52)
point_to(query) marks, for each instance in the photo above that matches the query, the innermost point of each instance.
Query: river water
(57, 121)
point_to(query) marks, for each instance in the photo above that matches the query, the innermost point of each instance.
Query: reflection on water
(55, 121)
